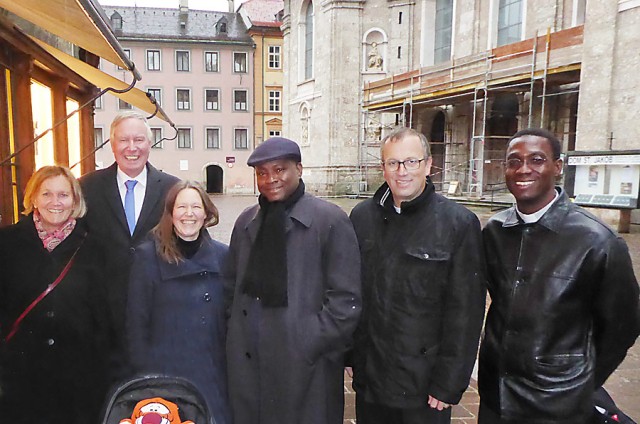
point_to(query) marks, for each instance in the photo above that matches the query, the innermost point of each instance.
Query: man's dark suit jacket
(106, 220)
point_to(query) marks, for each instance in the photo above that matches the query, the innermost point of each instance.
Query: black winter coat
(423, 299)
(563, 314)
(53, 369)
(176, 321)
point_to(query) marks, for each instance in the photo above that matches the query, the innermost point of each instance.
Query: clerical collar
(535, 217)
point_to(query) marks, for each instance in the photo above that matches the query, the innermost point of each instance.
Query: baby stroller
(606, 411)
(179, 391)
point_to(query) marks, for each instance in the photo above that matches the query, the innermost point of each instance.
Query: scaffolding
(524, 68)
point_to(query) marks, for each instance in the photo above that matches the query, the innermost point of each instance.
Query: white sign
(604, 160)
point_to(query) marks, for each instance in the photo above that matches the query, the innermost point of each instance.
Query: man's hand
(437, 404)
(349, 371)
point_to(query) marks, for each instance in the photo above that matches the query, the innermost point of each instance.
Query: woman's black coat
(53, 369)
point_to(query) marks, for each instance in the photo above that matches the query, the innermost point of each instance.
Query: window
(308, 42)
(239, 62)
(509, 22)
(399, 52)
(123, 105)
(274, 57)
(182, 61)
(116, 21)
(127, 52)
(211, 61)
(274, 133)
(98, 137)
(98, 103)
(184, 138)
(156, 93)
(212, 99)
(183, 99)
(153, 60)
(399, 18)
(240, 100)
(240, 138)
(274, 101)
(156, 137)
(213, 138)
(444, 19)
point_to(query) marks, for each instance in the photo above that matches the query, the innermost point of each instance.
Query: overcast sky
(219, 5)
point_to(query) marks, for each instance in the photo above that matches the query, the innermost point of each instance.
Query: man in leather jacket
(564, 306)
(424, 293)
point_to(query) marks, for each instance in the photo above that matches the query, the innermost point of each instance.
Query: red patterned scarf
(51, 240)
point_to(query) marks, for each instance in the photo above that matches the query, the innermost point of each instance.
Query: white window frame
(154, 139)
(204, 57)
(235, 139)
(246, 100)
(180, 104)
(275, 133)
(184, 130)
(217, 107)
(127, 52)
(159, 97)
(188, 53)
(147, 62)
(246, 63)
(274, 59)
(275, 100)
(206, 138)
(96, 142)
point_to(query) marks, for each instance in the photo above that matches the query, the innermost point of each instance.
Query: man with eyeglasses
(564, 299)
(423, 293)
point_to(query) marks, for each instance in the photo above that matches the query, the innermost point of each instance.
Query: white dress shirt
(138, 190)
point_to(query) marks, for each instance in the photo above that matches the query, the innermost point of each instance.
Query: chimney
(183, 14)
(232, 8)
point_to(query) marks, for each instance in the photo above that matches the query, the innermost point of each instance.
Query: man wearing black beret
(293, 295)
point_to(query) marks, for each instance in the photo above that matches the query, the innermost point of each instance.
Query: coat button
(244, 312)
(248, 355)
(50, 342)
(132, 249)
(50, 314)
(423, 351)
(203, 273)
(207, 297)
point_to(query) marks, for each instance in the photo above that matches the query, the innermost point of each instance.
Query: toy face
(153, 413)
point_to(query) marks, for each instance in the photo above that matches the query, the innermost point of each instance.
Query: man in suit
(108, 198)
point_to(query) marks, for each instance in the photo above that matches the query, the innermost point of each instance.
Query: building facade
(198, 65)
(263, 18)
(466, 73)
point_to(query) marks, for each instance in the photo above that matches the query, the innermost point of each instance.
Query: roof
(164, 24)
(262, 12)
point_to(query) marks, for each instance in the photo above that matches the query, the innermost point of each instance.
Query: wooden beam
(59, 91)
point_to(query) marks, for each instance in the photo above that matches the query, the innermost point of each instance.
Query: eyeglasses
(409, 164)
(535, 161)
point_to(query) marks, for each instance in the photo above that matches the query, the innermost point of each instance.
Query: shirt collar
(535, 217)
(141, 178)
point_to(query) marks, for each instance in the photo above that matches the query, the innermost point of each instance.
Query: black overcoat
(53, 369)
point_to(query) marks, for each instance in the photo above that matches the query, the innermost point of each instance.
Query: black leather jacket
(564, 312)
(423, 299)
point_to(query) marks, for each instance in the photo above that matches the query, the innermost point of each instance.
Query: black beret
(275, 148)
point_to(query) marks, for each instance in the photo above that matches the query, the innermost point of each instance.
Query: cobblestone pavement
(623, 385)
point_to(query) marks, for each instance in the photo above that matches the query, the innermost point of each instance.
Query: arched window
(308, 42)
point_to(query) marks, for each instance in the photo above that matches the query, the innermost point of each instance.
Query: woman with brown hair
(175, 311)
(54, 321)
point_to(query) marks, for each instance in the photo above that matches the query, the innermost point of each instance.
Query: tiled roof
(162, 24)
(262, 10)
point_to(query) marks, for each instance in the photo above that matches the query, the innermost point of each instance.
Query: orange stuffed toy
(155, 411)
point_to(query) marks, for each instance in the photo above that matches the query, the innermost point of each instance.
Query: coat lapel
(113, 196)
(151, 198)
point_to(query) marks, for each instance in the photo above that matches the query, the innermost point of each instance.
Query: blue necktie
(130, 205)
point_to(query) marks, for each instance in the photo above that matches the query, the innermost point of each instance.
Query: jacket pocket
(424, 273)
